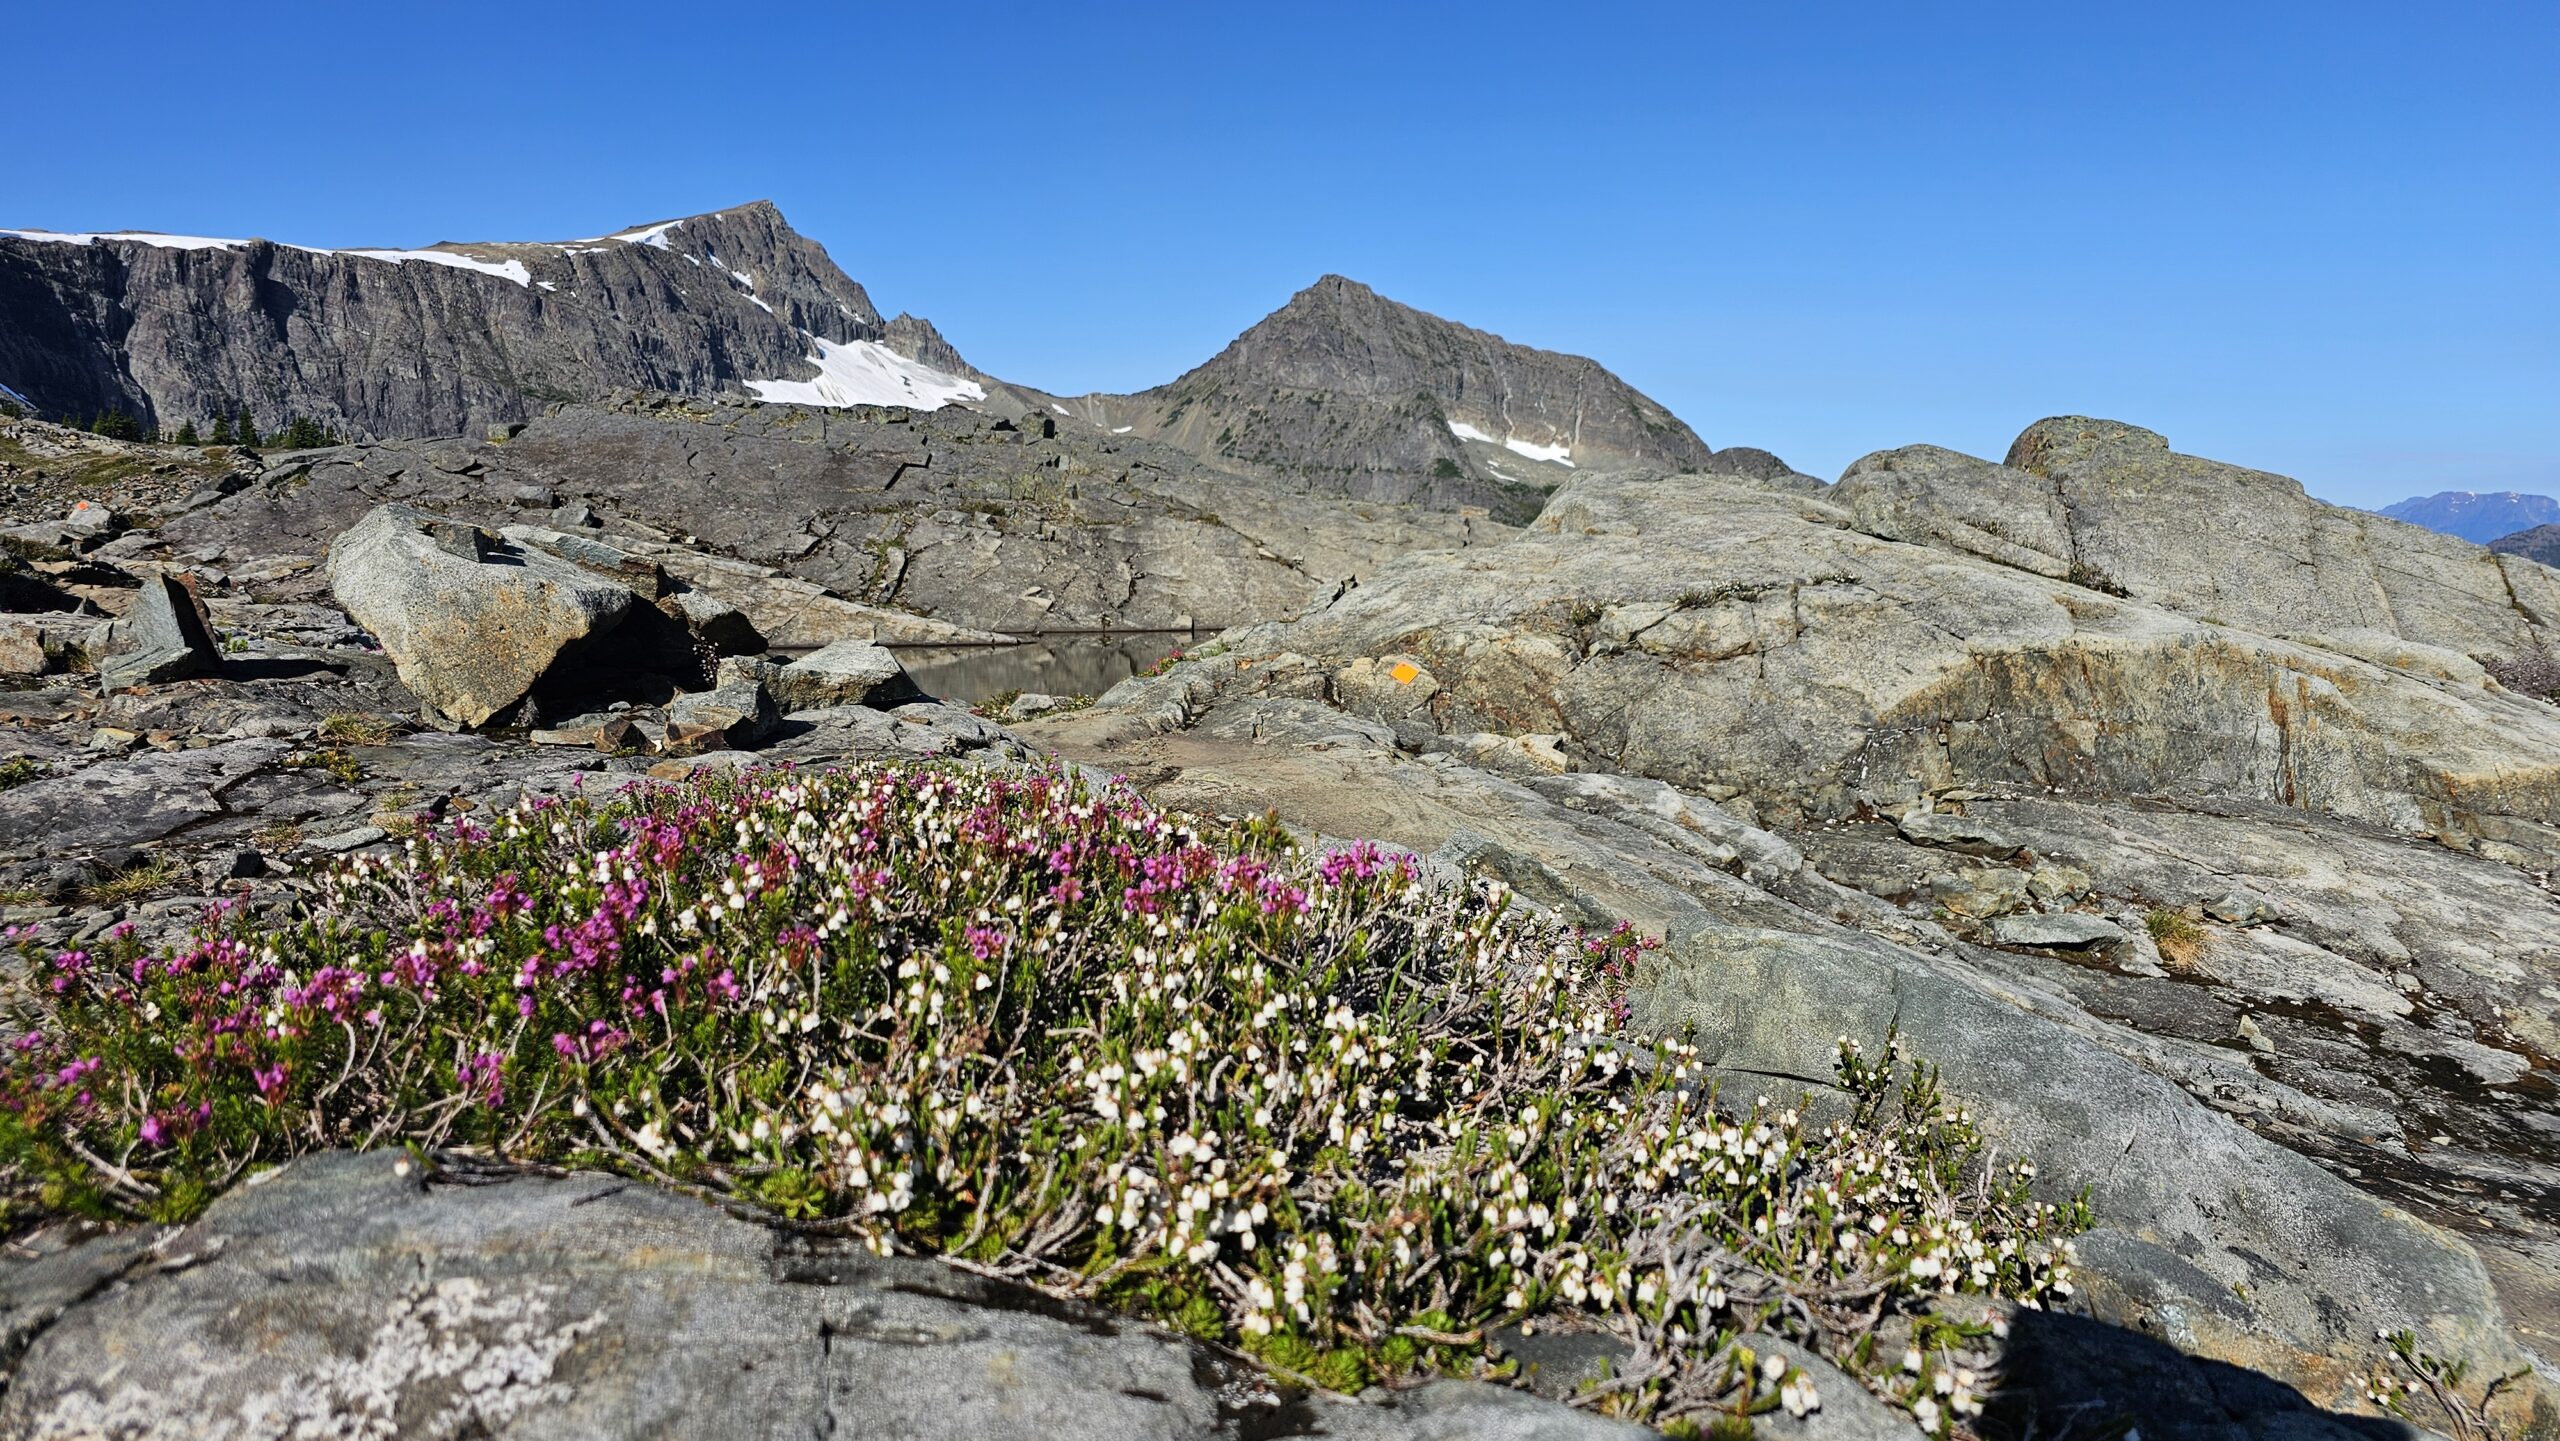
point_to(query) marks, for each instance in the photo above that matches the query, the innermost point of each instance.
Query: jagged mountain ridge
(449, 338)
(1340, 391)
(1344, 389)
(2478, 517)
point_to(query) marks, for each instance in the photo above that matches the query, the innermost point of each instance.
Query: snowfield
(507, 270)
(144, 237)
(510, 269)
(864, 372)
(1559, 454)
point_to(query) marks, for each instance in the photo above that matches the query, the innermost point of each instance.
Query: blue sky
(2322, 239)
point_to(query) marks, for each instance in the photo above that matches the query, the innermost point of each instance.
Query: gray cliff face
(440, 341)
(1346, 391)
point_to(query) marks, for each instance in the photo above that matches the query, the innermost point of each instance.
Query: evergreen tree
(222, 430)
(116, 425)
(187, 433)
(245, 430)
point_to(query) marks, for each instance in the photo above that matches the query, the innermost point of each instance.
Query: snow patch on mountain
(653, 236)
(144, 237)
(865, 372)
(504, 269)
(510, 269)
(1552, 454)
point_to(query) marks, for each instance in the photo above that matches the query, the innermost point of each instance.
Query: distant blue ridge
(2476, 516)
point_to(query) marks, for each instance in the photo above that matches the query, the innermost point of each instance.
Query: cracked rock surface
(2245, 929)
(349, 1295)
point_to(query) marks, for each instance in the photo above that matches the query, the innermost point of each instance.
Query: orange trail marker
(1405, 671)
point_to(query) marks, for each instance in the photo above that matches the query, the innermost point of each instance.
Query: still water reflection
(1060, 665)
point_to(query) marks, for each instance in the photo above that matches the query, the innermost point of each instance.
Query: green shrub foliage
(1310, 1104)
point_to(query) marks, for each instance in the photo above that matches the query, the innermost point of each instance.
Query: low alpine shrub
(1308, 1104)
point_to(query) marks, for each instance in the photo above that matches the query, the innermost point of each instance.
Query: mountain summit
(1348, 390)
(450, 337)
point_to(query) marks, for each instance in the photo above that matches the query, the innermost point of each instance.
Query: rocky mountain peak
(452, 337)
(1344, 389)
(754, 244)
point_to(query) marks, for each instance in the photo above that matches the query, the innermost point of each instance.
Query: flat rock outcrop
(822, 525)
(356, 1295)
(2243, 932)
(2085, 500)
(1832, 668)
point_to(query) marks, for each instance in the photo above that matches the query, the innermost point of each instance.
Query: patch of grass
(81, 467)
(279, 836)
(19, 770)
(2181, 938)
(156, 874)
(20, 896)
(344, 767)
(355, 728)
(31, 552)
(1303, 1103)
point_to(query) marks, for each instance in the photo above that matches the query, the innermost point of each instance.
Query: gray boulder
(164, 638)
(849, 672)
(22, 647)
(351, 1295)
(717, 625)
(2060, 932)
(30, 645)
(1929, 495)
(471, 620)
(1957, 833)
(91, 523)
(729, 717)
